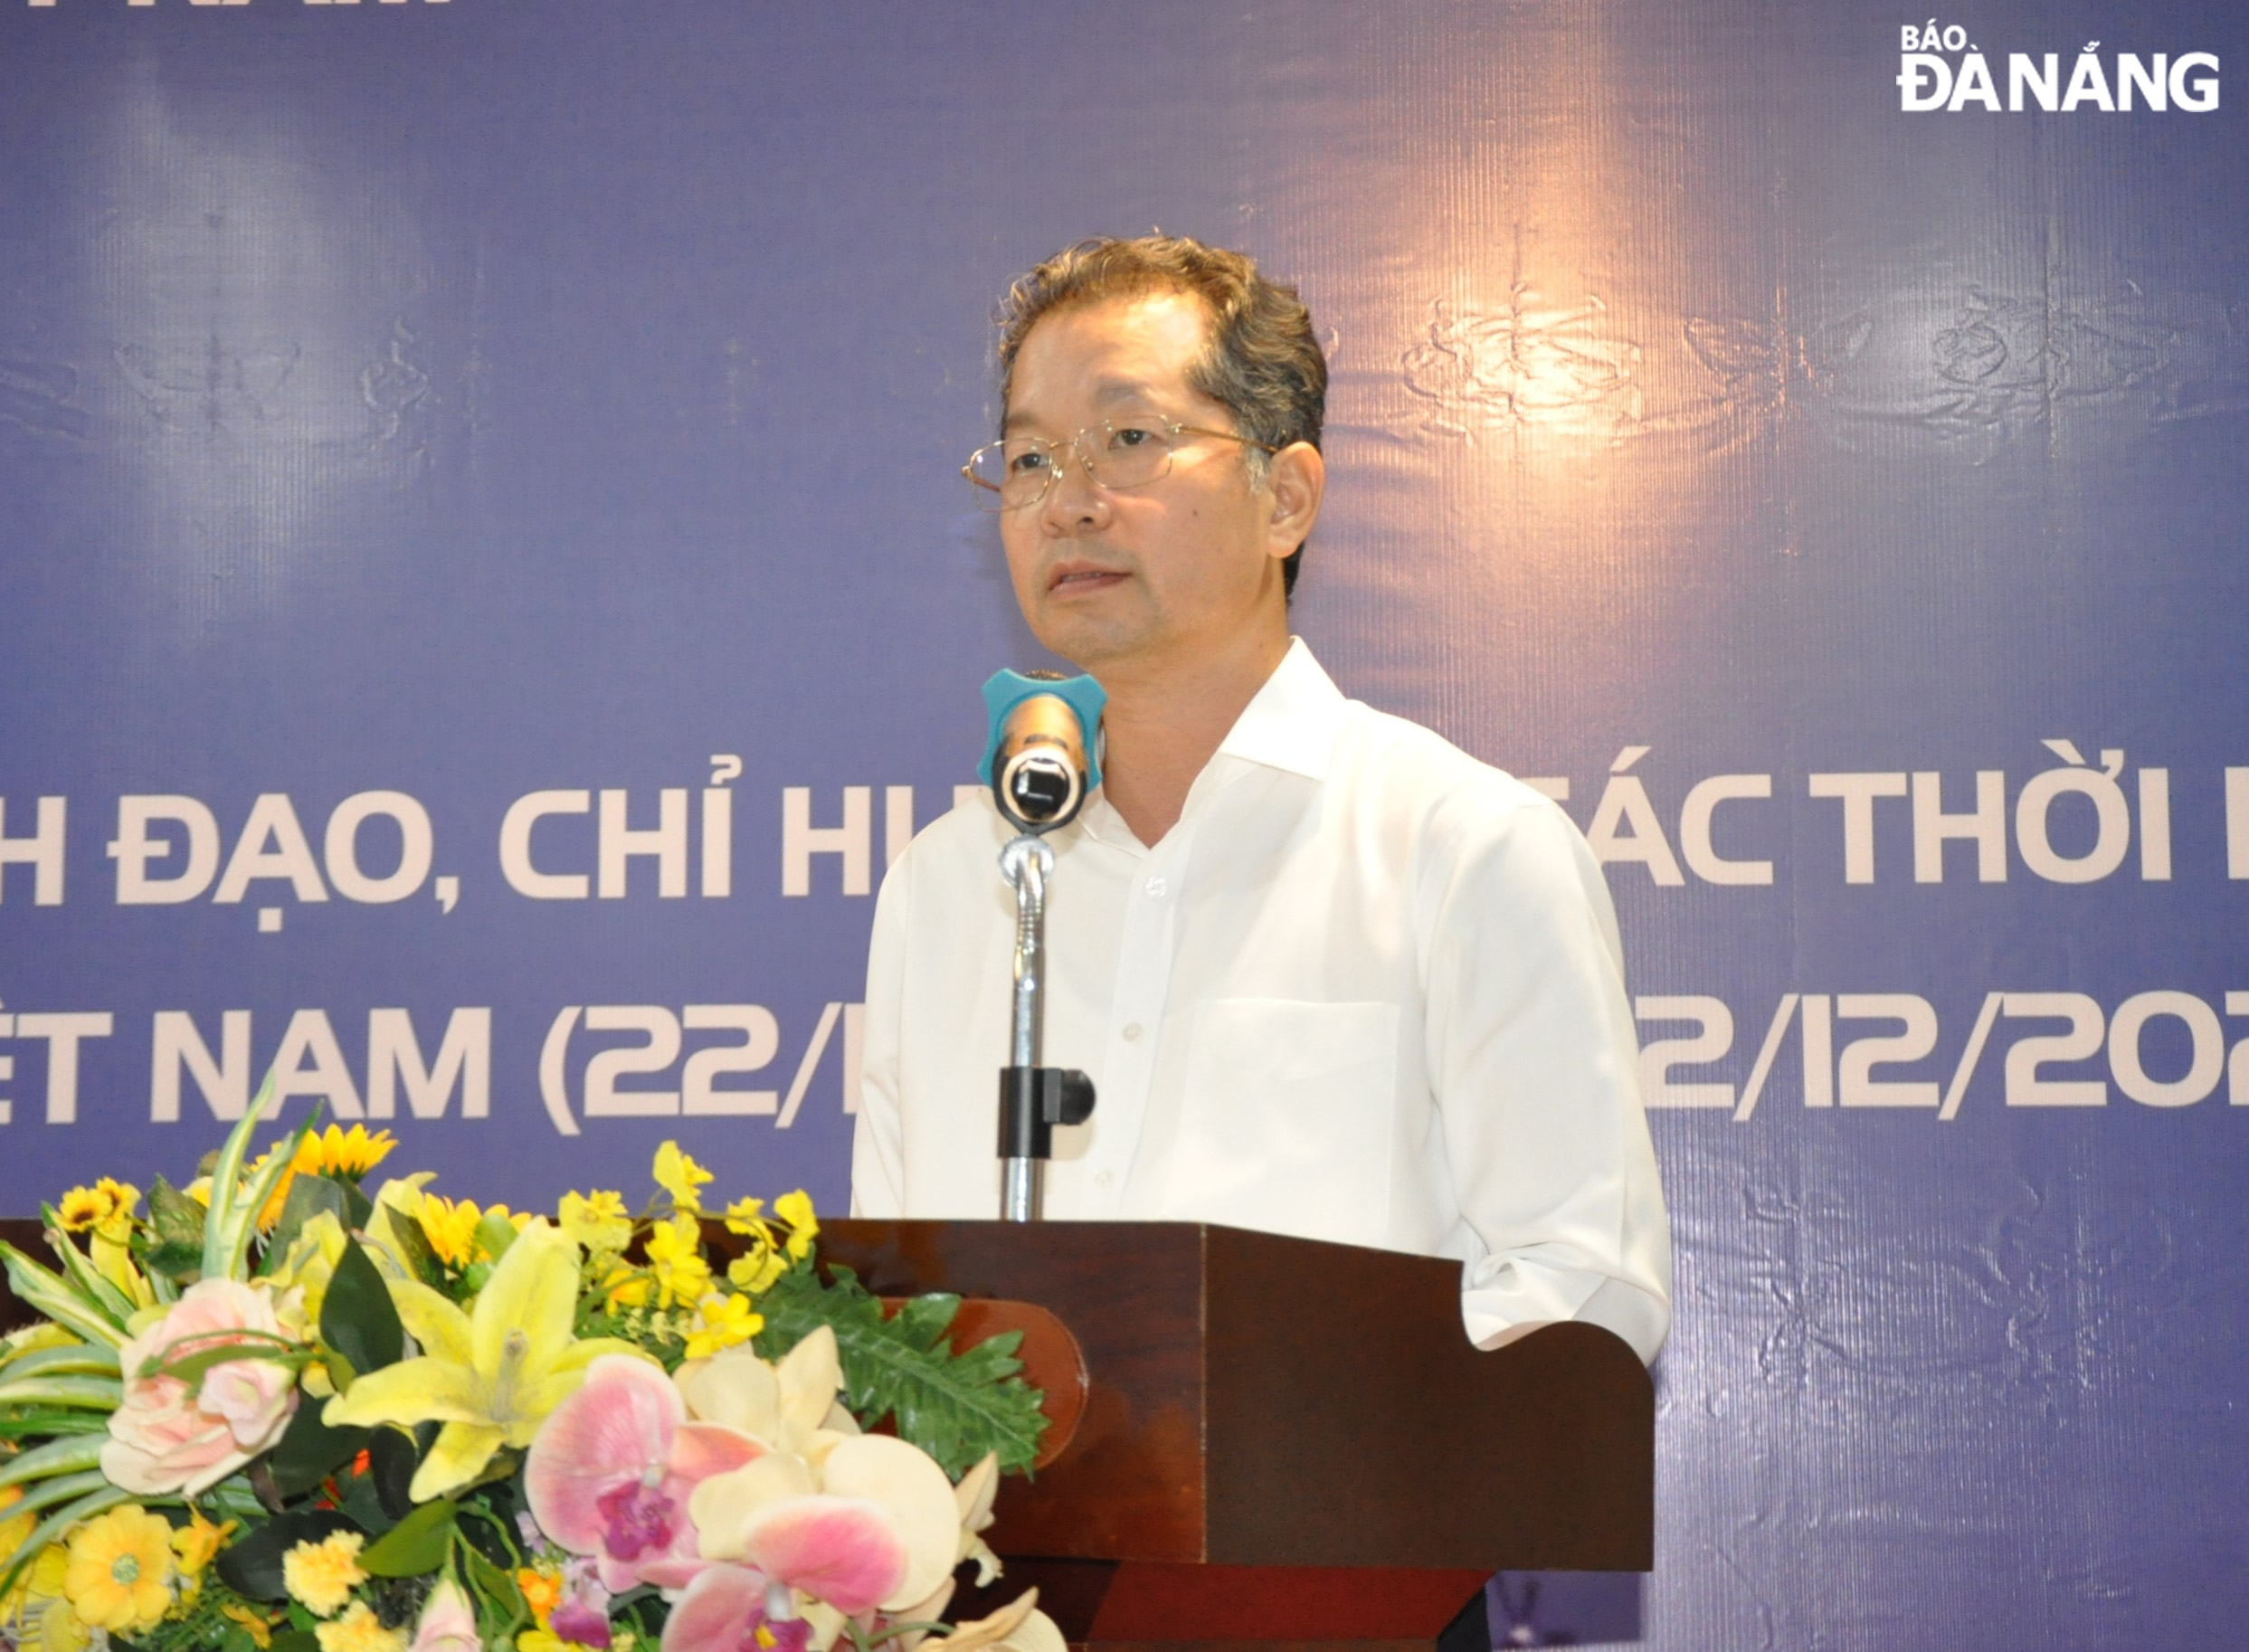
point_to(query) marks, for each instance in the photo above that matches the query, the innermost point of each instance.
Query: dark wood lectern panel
(1262, 1401)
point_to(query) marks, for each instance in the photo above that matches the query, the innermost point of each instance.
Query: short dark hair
(1263, 363)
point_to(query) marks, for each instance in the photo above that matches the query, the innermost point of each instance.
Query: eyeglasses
(1019, 471)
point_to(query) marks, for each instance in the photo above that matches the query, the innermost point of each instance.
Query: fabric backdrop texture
(485, 589)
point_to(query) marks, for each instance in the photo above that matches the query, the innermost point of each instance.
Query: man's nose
(1076, 503)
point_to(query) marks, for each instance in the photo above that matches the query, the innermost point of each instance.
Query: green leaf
(412, 1247)
(357, 1319)
(415, 1545)
(955, 1406)
(60, 1489)
(179, 1260)
(495, 1584)
(51, 1296)
(72, 1454)
(83, 1359)
(357, 1496)
(235, 1211)
(295, 1640)
(392, 1458)
(494, 1235)
(308, 1197)
(40, 1423)
(252, 1565)
(86, 1393)
(83, 1275)
(175, 1218)
(308, 1451)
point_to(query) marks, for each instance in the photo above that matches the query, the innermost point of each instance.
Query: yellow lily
(491, 1374)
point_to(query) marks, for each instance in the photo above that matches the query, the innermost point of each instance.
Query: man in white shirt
(1330, 976)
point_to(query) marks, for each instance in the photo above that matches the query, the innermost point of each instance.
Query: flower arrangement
(272, 1412)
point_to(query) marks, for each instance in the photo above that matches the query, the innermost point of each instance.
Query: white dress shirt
(1368, 989)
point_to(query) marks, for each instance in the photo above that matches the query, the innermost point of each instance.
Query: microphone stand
(1033, 1099)
(1024, 863)
(1036, 763)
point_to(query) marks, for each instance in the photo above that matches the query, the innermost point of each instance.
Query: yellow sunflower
(106, 1206)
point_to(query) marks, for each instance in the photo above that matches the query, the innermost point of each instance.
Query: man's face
(1172, 571)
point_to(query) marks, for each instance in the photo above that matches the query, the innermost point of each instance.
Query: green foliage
(412, 1247)
(416, 1544)
(955, 1407)
(357, 1318)
(308, 1451)
(202, 1626)
(308, 1197)
(175, 1217)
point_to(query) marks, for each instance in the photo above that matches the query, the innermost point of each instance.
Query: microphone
(1041, 746)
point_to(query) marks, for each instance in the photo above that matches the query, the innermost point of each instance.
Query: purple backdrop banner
(485, 589)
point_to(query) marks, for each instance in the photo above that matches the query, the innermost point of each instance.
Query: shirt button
(1132, 1033)
(1104, 1179)
(1156, 886)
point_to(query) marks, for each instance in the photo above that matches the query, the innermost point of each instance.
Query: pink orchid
(610, 1471)
(726, 1606)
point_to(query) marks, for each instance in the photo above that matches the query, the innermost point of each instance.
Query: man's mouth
(1072, 577)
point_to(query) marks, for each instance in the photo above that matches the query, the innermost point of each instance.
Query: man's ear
(1296, 477)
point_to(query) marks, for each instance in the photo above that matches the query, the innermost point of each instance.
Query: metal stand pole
(1025, 863)
(1033, 1098)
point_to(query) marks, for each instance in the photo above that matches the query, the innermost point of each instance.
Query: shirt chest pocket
(1286, 1117)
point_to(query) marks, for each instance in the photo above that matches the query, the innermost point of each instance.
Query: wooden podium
(1269, 1441)
(1260, 1440)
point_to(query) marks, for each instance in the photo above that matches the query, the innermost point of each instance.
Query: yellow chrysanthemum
(796, 1210)
(320, 1576)
(360, 1630)
(675, 1256)
(597, 1221)
(680, 1176)
(196, 1543)
(542, 1592)
(722, 1321)
(254, 1623)
(119, 1576)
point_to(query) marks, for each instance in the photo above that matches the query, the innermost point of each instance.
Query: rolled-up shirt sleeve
(1533, 1056)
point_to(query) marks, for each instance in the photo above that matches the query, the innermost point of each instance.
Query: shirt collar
(1291, 724)
(1293, 721)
